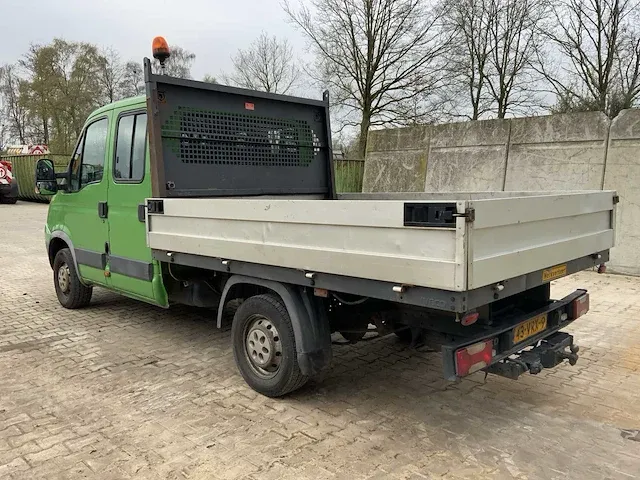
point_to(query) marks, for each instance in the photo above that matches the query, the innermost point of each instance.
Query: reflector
(580, 306)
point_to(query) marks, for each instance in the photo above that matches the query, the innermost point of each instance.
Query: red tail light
(580, 306)
(474, 357)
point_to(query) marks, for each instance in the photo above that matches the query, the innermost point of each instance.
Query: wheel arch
(58, 241)
(309, 321)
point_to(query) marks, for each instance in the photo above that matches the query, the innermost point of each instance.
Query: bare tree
(179, 63)
(132, 83)
(376, 56)
(268, 65)
(13, 109)
(470, 24)
(515, 38)
(598, 42)
(111, 74)
(494, 53)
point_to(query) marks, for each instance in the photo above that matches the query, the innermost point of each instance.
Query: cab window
(130, 148)
(87, 164)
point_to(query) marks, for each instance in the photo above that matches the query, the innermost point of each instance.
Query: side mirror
(46, 183)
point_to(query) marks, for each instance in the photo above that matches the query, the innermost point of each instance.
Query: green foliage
(62, 89)
(47, 96)
(348, 175)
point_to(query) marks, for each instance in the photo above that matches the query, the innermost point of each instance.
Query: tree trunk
(45, 130)
(364, 133)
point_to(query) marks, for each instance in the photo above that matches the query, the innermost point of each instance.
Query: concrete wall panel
(467, 156)
(623, 175)
(558, 152)
(396, 160)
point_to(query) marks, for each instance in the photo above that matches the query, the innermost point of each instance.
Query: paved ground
(123, 390)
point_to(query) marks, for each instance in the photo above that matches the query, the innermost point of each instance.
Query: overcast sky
(212, 29)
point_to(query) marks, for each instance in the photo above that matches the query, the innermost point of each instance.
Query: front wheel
(70, 291)
(264, 346)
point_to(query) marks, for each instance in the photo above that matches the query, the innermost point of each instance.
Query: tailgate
(514, 236)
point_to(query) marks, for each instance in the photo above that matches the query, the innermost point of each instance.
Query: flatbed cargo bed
(488, 239)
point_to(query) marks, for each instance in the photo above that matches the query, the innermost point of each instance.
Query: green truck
(199, 194)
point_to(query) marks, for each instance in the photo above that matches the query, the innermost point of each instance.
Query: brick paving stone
(125, 390)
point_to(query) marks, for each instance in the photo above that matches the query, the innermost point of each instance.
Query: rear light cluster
(4, 168)
(474, 357)
(580, 306)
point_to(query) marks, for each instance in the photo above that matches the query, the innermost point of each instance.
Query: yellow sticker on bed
(529, 328)
(554, 272)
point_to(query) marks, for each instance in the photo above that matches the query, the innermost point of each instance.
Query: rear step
(550, 352)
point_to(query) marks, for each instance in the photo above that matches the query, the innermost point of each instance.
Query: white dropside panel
(516, 236)
(359, 238)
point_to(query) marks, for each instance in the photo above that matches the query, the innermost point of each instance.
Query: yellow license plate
(554, 272)
(529, 328)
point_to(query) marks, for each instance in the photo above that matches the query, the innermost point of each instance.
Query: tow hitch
(550, 352)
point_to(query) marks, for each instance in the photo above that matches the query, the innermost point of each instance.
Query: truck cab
(98, 213)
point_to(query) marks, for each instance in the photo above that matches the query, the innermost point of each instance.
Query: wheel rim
(262, 346)
(64, 278)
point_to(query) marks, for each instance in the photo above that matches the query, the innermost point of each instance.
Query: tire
(70, 291)
(267, 361)
(9, 200)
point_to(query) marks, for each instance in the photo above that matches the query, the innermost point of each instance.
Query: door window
(88, 162)
(130, 149)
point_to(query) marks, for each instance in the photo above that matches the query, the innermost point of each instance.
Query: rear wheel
(264, 346)
(70, 291)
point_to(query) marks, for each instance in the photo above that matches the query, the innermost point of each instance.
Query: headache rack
(209, 140)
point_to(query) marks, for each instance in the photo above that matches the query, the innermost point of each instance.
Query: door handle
(141, 212)
(102, 209)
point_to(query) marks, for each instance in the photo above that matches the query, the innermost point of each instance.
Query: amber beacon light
(161, 51)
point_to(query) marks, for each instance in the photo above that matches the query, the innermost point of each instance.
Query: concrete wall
(583, 151)
(467, 156)
(559, 152)
(396, 160)
(622, 174)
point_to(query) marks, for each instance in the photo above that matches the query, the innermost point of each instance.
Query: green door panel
(130, 261)
(78, 208)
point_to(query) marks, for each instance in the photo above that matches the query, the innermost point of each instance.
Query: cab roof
(125, 102)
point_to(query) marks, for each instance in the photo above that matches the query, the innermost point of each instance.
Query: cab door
(131, 265)
(84, 202)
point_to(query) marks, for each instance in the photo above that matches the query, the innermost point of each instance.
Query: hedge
(24, 169)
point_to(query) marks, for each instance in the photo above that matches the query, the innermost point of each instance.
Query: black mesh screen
(220, 138)
(221, 141)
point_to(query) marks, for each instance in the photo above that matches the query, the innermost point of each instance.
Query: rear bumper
(549, 345)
